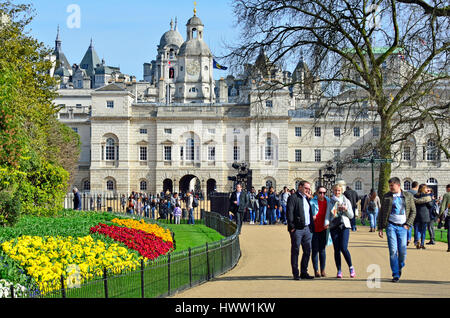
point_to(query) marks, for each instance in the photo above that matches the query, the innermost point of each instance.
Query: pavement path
(264, 270)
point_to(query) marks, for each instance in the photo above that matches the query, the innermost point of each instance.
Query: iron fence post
(190, 267)
(63, 290)
(105, 282)
(142, 279)
(207, 262)
(11, 289)
(168, 274)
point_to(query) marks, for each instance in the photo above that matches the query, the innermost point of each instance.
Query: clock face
(193, 68)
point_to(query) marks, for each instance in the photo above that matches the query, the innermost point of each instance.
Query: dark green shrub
(10, 209)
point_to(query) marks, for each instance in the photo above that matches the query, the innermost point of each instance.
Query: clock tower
(195, 82)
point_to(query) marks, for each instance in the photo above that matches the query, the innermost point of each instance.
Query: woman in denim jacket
(320, 206)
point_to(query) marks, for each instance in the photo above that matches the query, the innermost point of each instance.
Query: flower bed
(47, 258)
(147, 244)
(155, 229)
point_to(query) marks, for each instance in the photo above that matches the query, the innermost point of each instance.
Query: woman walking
(372, 205)
(424, 204)
(338, 219)
(320, 206)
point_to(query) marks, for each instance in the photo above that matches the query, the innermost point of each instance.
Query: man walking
(444, 214)
(76, 199)
(284, 198)
(239, 201)
(190, 207)
(300, 226)
(413, 191)
(397, 215)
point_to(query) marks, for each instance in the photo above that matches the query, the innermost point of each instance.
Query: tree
(384, 57)
(36, 150)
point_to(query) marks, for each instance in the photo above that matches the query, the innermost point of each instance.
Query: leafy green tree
(36, 150)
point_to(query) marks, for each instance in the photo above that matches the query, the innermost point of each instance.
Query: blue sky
(126, 33)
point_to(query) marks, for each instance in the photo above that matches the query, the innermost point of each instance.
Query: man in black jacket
(300, 226)
(353, 197)
(239, 201)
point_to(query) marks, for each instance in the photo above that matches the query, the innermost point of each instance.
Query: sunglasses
(322, 192)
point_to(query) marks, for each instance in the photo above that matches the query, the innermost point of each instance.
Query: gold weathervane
(195, 8)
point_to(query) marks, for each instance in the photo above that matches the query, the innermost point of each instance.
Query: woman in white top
(340, 231)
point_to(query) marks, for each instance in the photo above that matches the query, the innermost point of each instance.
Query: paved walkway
(264, 270)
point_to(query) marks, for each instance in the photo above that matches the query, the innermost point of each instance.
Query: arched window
(190, 149)
(407, 185)
(110, 152)
(432, 181)
(110, 186)
(143, 185)
(171, 72)
(86, 185)
(269, 149)
(358, 185)
(432, 151)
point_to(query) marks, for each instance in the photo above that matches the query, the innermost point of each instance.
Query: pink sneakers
(352, 272)
(339, 274)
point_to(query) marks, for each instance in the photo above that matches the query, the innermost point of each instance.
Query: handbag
(337, 223)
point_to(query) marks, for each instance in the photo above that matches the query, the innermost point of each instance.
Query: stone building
(179, 129)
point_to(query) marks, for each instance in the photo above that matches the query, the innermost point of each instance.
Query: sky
(126, 33)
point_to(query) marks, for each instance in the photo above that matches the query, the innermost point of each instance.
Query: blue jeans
(271, 215)
(262, 215)
(252, 215)
(373, 219)
(191, 216)
(283, 213)
(409, 235)
(396, 237)
(153, 212)
(340, 243)
(420, 232)
(146, 208)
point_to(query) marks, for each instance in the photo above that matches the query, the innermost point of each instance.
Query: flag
(218, 66)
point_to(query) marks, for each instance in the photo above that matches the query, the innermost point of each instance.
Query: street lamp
(329, 178)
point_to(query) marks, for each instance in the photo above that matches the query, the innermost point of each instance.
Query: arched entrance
(190, 183)
(168, 185)
(210, 187)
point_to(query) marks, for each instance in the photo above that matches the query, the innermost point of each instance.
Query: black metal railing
(119, 203)
(164, 276)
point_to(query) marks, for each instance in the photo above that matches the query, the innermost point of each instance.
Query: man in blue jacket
(76, 199)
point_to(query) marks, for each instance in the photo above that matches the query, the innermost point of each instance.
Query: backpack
(371, 206)
(195, 203)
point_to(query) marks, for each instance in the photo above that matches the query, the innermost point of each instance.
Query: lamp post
(329, 178)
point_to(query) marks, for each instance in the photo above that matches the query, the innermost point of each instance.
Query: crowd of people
(315, 220)
(167, 206)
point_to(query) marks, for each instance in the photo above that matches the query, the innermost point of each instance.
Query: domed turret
(195, 82)
(171, 37)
